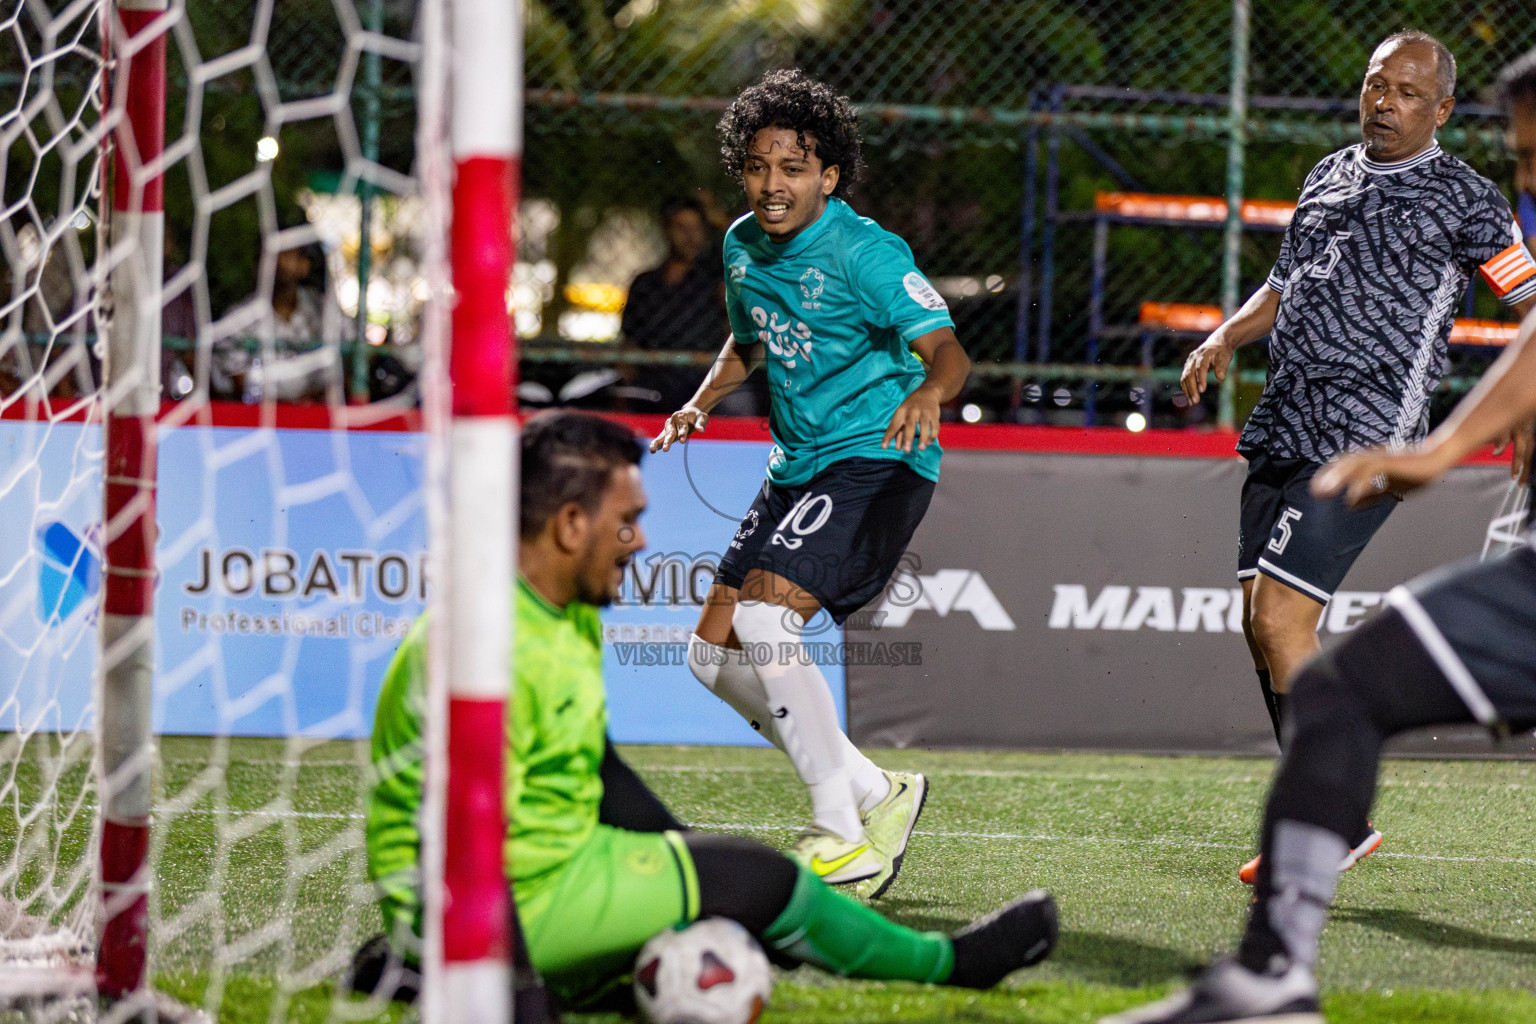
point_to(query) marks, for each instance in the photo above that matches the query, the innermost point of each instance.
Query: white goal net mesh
(298, 255)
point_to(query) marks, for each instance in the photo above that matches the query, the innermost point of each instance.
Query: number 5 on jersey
(808, 515)
(1334, 253)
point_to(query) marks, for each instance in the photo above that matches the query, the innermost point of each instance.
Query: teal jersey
(837, 307)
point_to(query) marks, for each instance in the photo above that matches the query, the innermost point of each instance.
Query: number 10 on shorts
(808, 515)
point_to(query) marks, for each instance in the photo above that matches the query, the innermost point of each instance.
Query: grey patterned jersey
(1372, 269)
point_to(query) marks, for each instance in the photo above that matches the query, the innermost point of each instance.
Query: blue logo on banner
(68, 575)
(292, 562)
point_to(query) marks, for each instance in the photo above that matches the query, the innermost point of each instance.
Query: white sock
(869, 782)
(806, 718)
(730, 676)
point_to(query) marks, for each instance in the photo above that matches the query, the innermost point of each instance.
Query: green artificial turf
(262, 892)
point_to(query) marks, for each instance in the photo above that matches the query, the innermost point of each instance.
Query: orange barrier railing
(1197, 209)
(1199, 319)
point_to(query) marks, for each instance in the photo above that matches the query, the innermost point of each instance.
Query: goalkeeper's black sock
(1274, 701)
(1260, 944)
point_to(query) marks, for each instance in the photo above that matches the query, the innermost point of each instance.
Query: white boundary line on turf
(1042, 837)
(164, 814)
(1048, 776)
(1034, 837)
(276, 762)
(258, 813)
(973, 773)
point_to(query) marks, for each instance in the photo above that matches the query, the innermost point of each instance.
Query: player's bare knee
(1254, 648)
(1269, 627)
(715, 618)
(1257, 652)
(1279, 624)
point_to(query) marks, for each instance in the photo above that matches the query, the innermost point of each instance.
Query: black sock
(1274, 701)
(1260, 944)
(745, 881)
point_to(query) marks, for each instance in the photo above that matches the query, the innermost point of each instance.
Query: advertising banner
(50, 574)
(291, 563)
(698, 493)
(1092, 602)
(1047, 600)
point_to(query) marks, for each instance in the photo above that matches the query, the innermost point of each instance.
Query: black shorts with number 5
(1305, 542)
(839, 535)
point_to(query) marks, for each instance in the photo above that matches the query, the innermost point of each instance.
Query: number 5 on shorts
(1283, 530)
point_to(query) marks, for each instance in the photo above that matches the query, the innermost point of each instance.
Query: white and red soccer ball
(712, 972)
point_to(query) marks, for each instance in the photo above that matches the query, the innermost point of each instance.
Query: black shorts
(839, 535)
(1477, 620)
(1304, 542)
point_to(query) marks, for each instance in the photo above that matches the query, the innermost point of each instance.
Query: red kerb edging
(1007, 437)
(999, 437)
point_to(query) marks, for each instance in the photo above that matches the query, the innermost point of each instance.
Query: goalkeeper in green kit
(596, 862)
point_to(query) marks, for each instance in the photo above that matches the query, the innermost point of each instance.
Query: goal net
(224, 242)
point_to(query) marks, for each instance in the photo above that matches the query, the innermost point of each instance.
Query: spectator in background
(42, 341)
(678, 306)
(307, 328)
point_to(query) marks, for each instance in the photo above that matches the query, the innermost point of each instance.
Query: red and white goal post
(88, 803)
(486, 142)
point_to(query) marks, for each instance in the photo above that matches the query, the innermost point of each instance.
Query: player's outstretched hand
(681, 425)
(1364, 476)
(1213, 356)
(916, 421)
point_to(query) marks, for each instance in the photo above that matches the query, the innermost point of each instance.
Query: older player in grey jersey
(1457, 645)
(1359, 306)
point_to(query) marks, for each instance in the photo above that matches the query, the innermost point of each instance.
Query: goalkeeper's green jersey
(558, 722)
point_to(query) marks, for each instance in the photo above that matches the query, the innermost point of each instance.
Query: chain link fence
(991, 128)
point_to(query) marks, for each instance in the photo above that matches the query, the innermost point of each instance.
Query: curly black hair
(788, 98)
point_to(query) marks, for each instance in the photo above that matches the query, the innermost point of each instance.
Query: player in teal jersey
(860, 353)
(597, 863)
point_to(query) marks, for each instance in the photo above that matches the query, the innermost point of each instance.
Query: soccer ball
(712, 972)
